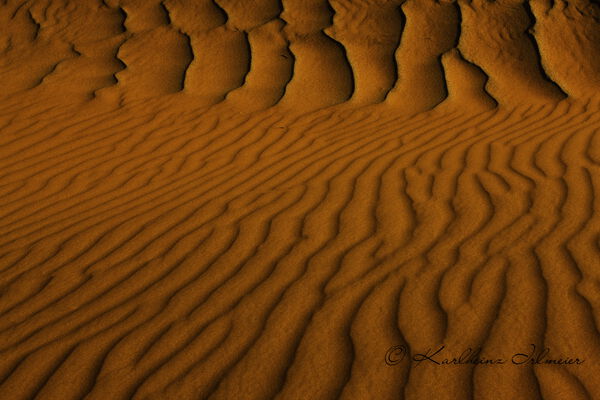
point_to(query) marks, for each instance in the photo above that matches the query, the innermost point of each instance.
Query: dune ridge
(225, 199)
(304, 55)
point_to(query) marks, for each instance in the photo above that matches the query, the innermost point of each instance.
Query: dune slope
(226, 199)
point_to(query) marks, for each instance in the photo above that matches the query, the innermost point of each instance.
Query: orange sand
(250, 200)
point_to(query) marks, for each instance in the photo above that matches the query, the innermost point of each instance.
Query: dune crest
(305, 55)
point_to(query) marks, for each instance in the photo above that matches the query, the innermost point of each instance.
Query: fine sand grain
(258, 199)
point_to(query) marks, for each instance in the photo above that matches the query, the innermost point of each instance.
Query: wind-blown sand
(244, 199)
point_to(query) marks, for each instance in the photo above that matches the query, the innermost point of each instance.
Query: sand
(299, 199)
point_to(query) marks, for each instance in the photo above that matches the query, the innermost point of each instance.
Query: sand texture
(299, 199)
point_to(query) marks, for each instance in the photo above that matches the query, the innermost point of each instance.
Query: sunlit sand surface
(231, 199)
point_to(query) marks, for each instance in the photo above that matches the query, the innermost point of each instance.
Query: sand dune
(226, 199)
